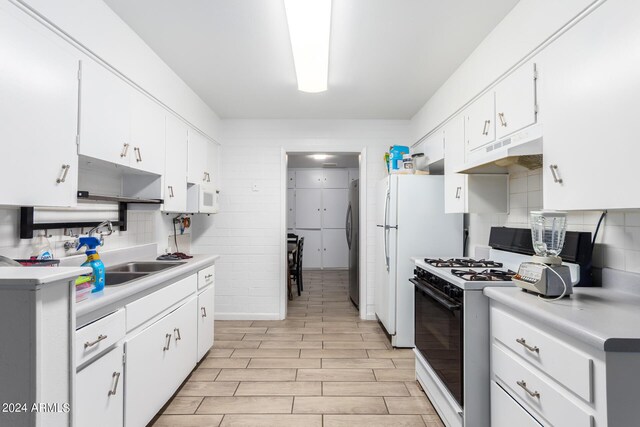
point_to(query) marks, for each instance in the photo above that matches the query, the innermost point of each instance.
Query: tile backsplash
(618, 242)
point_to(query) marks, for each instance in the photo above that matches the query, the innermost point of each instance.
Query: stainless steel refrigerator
(352, 230)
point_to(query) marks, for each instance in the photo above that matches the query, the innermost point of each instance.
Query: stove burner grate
(488, 275)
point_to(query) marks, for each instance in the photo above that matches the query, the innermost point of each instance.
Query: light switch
(255, 187)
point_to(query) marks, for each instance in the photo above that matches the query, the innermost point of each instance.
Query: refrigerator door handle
(386, 229)
(347, 226)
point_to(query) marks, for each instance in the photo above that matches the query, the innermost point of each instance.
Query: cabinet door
(335, 178)
(312, 250)
(590, 96)
(211, 166)
(455, 184)
(479, 123)
(334, 208)
(291, 179)
(147, 134)
(105, 113)
(175, 176)
(353, 175)
(39, 110)
(308, 207)
(506, 412)
(205, 321)
(100, 391)
(309, 178)
(335, 251)
(516, 101)
(291, 208)
(155, 363)
(197, 158)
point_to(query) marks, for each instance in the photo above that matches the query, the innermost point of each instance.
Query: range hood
(522, 148)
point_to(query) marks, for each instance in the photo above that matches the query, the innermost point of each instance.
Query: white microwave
(202, 198)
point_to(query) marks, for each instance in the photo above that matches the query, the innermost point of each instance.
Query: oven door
(439, 335)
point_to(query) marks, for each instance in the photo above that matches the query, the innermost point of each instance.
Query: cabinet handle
(116, 375)
(206, 177)
(204, 311)
(503, 122)
(92, 343)
(523, 343)
(458, 189)
(138, 154)
(554, 172)
(168, 338)
(484, 128)
(63, 177)
(171, 191)
(523, 384)
(177, 331)
(208, 276)
(125, 150)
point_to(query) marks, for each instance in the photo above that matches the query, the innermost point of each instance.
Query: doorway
(323, 209)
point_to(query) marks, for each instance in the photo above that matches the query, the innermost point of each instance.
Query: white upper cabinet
(175, 176)
(105, 115)
(203, 160)
(291, 179)
(335, 178)
(308, 208)
(589, 93)
(433, 147)
(455, 184)
(516, 101)
(291, 206)
(479, 122)
(38, 106)
(147, 134)
(334, 208)
(309, 178)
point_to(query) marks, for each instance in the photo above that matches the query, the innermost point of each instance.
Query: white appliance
(410, 221)
(202, 198)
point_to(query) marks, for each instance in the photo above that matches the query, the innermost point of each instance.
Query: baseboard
(247, 316)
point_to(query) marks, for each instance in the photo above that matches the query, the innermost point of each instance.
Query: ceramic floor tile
(339, 405)
(409, 405)
(234, 323)
(208, 388)
(405, 363)
(432, 420)
(279, 388)
(334, 354)
(266, 352)
(243, 420)
(204, 374)
(235, 330)
(392, 354)
(364, 389)
(278, 323)
(414, 388)
(275, 374)
(273, 337)
(294, 331)
(292, 344)
(335, 375)
(235, 344)
(332, 337)
(395, 374)
(229, 337)
(284, 363)
(224, 363)
(357, 363)
(183, 405)
(246, 405)
(373, 421)
(346, 345)
(220, 352)
(188, 421)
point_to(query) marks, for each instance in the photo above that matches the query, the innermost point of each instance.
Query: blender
(545, 274)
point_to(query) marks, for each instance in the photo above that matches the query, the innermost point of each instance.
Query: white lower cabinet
(312, 249)
(100, 391)
(506, 412)
(335, 251)
(205, 321)
(157, 361)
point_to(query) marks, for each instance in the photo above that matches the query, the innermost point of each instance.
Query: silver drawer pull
(65, 171)
(503, 122)
(125, 150)
(92, 343)
(171, 191)
(177, 332)
(554, 172)
(166, 347)
(204, 311)
(112, 392)
(523, 343)
(208, 276)
(138, 154)
(523, 384)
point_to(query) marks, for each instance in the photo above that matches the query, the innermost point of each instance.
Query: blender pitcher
(548, 230)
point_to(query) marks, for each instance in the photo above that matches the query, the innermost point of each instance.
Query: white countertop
(603, 318)
(37, 276)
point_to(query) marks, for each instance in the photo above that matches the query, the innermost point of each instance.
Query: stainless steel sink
(112, 278)
(143, 267)
(125, 273)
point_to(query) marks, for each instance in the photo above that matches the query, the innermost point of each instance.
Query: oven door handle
(422, 288)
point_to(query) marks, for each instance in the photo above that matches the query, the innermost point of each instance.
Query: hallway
(322, 366)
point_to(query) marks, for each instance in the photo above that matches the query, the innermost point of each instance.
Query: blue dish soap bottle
(93, 261)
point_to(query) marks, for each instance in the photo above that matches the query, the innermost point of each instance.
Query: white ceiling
(387, 57)
(304, 160)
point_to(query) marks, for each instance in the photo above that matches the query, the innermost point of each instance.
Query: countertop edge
(37, 276)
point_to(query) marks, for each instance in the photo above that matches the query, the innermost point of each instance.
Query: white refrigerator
(410, 223)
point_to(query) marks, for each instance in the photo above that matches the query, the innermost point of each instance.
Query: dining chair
(299, 265)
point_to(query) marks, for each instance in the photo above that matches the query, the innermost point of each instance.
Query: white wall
(94, 25)
(247, 231)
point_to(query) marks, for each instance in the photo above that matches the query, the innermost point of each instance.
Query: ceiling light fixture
(309, 30)
(319, 156)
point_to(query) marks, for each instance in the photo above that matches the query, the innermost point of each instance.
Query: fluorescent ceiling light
(320, 156)
(309, 29)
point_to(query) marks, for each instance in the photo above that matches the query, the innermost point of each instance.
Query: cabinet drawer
(99, 396)
(565, 364)
(506, 412)
(96, 337)
(549, 402)
(145, 308)
(206, 277)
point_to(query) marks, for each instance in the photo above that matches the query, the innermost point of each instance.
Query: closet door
(334, 207)
(312, 251)
(308, 208)
(335, 252)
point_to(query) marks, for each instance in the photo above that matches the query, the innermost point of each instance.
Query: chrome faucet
(102, 234)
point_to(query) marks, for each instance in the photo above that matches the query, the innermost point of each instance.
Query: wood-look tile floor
(322, 366)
